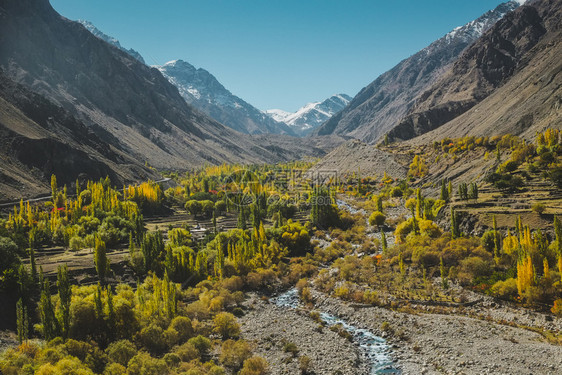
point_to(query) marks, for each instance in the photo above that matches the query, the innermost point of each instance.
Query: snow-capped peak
(312, 114)
(474, 29)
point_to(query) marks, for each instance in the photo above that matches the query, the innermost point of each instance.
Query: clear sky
(279, 54)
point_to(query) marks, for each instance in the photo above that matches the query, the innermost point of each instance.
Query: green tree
(377, 218)
(47, 312)
(226, 325)
(22, 321)
(65, 296)
(100, 259)
(455, 232)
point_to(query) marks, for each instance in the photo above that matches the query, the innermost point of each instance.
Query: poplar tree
(22, 321)
(455, 232)
(100, 259)
(65, 296)
(47, 312)
(444, 282)
(496, 240)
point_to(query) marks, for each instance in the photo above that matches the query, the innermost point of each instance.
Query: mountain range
(312, 115)
(202, 90)
(131, 108)
(507, 81)
(381, 105)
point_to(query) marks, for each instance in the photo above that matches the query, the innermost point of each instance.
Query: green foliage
(121, 351)
(100, 259)
(226, 325)
(255, 366)
(324, 213)
(65, 295)
(234, 353)
(539, 208)
(377, 218)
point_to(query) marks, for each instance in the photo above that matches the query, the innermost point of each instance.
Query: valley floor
(422, 343)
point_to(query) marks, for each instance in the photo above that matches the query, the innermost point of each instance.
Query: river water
(373, 349)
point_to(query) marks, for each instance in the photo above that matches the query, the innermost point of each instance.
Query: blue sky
(279, 54)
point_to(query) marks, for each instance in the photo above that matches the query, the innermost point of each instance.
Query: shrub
(152, 338)
(305, 365)
(377, 218)
(429, 228)
(121, 351)
(505, 289)
(291, 347)
(475, 266)
(539, 208)
(182, 325)
(201, 343)
(187, 352)
(557, 307)
(76, 243)
(226, 325)
(115, 369)
(234, 353)
(144, 364)
(254, 366)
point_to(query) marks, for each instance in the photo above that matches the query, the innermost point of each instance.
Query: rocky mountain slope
(381, 105)
(312, 115)
(127, 104)
(39, 138)
(111, 40)
(509, 81)
(202, 90)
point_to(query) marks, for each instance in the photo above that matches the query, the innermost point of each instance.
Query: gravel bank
(270, 326)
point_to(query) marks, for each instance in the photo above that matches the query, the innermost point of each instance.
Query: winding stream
(374, 349)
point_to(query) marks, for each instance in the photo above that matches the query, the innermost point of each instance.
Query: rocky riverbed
(422, 343)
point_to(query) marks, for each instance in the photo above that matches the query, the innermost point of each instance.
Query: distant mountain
(129, 106)
(312, 115)
(380, 106)
(202, 90)
(111, 40)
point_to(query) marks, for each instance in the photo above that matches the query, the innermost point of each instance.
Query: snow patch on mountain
(202, 90)
(474, 29)
(311, 115)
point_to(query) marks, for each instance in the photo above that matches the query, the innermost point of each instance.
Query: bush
(182, 325)
(476, 267)
(305, 365)
(187, 352)
(234, 353)
(488, 241)
(226, 325)
(429, 228)
(505, 289)
(76, 243)
(202, 344)
(121, 351)
(539, 208)
(254, 366)
(291, 347)
(377, 218)
(557, 307)
(144, 364)
(152, 338)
